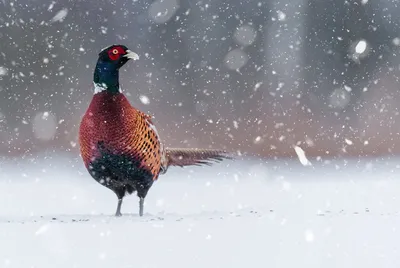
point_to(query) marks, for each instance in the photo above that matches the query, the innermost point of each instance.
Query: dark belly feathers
(120, 170)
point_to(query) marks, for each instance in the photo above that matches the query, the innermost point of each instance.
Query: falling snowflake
(257, 86)
(103, 29)
(281, 15)
(144, 99)
(60, 16)
(3, 71)
(257, 140)
(349, 142)
(51, 6)
(361, 47)
(302, 156)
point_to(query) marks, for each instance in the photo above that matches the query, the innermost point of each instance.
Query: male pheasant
(119, 144)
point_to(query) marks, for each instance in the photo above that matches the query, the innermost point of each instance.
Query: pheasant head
(106, 73)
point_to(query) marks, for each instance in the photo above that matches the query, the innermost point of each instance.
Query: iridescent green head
(106, 73)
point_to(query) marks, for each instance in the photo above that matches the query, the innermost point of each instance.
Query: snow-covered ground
(246, 213)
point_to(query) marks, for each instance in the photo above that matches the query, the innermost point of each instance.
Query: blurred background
(257, 77)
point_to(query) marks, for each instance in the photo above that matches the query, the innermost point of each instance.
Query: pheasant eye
(115, 53)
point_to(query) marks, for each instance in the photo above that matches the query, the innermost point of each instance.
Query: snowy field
(246, 213)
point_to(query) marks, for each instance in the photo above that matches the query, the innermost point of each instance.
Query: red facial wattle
(115, 53)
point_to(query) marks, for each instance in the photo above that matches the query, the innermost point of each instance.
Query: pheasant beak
(131, 55)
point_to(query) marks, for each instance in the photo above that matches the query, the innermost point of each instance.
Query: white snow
(257, 86)
(361, 47)
(60, 16)
(42, 229)
(58, 216)
(309, 236)
(349, 142)
(258, 139)
(347, 88)
(3, 71)
(302, 156)
(281, 15)
(144, 99)
(51, 6)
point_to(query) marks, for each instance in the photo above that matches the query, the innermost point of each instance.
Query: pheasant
(119, 144)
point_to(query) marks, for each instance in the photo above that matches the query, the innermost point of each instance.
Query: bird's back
(111, 125)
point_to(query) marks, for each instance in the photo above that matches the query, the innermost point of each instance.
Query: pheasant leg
(141, 202)
(118, 212)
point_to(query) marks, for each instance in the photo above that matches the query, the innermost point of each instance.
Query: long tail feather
(192, 157)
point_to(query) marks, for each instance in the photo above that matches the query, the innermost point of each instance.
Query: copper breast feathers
(121, 129)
